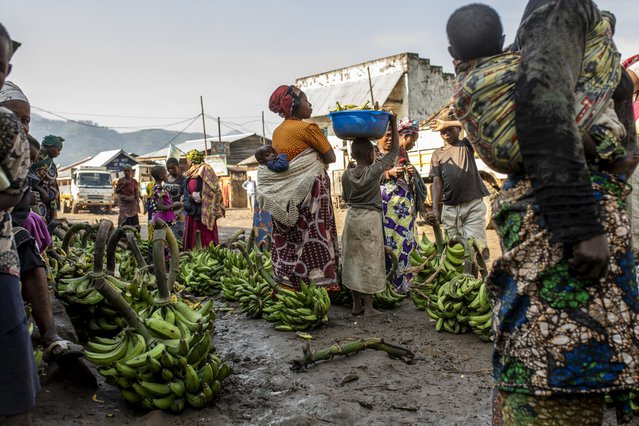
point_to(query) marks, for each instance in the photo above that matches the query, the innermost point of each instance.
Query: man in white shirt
(249, 186)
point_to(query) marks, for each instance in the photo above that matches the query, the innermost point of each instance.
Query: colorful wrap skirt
(309, 250)
(556, 334)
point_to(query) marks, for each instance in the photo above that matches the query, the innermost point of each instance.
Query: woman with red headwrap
(305, 245)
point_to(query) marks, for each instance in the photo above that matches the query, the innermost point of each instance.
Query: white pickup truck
(90, 188)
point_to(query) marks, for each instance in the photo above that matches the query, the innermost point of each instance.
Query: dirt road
(449, 382)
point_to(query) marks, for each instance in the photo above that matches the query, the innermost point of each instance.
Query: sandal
(61, 349)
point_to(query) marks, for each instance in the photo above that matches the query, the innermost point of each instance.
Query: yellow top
(294, 136)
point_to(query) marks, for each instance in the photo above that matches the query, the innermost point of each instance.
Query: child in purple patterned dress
(163, 205)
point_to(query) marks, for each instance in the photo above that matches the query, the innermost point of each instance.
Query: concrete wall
(428, 87)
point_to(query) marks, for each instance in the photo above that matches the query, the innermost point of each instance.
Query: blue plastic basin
(353, 124)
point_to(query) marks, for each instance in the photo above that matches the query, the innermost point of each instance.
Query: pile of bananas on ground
(299, 310)
(349, 107)
(73, 262)
(175, 366)
(164, 359)
(199, 270)
(444, 287)
(91, 314)
(462, 303)
(89, 311)
(436, 264)
(70, 254)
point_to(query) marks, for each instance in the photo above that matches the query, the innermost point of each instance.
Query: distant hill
(84, 141)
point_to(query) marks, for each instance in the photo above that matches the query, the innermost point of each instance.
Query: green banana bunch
(177, 367)
(347, 107)
(199, 271)
(389, 298)
(299, 310)
(90, 313)
(255, 297)
(462, 304)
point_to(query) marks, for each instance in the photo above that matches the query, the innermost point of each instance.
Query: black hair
(4, 35)
(474, 31)
(172, 162)
(361, 149)
(296, 99)
(156, 172)
(33, 142)
(262, 152)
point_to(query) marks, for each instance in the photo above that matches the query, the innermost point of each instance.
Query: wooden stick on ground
(309, 358)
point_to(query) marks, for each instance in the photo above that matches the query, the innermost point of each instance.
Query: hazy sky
(148, 61)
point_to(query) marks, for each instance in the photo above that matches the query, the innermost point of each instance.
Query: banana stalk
(391, 273)
(481, 262)
(135, 249)
(198, 240)
(440, 241)
(174, 251)
(251, 241)
(73, 230)
(112, 246)
(262, 271)
(114, 297)
(101, 239)
(249, 262)
(159, 265)
(86, 234)
(309, 358)
(235, 237)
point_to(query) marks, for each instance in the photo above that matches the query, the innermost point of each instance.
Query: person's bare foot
(371, 312)
(357, 313)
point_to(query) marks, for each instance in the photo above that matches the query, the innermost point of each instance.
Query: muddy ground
(449, 382)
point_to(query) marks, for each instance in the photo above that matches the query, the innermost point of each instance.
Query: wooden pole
(370, 85)
(219, 130)
(206, 146)
(263, 130)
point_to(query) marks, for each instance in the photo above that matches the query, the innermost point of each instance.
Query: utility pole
(206, 146)
(263, 130)
(370, 86)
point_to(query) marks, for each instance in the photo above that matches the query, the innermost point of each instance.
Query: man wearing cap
(46, 170)
(128, 191)
(456, 183)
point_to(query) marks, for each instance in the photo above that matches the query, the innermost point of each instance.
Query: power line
(181, 131)
(119, 116)
(81, 123)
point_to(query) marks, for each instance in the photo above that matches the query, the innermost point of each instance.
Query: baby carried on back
(484, 94)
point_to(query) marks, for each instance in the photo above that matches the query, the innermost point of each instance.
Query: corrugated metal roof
(351, 92)
(103, 158)
(197, 144)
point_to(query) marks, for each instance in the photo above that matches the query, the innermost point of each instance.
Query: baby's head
(265, 153)
(363, 151)
(474, 31)
(159, 173)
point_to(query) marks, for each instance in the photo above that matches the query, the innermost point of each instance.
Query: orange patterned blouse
(294, 136)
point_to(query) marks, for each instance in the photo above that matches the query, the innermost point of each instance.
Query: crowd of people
(556, 111)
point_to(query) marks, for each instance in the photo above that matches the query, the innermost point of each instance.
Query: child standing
(163, 206)
(364, 266)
